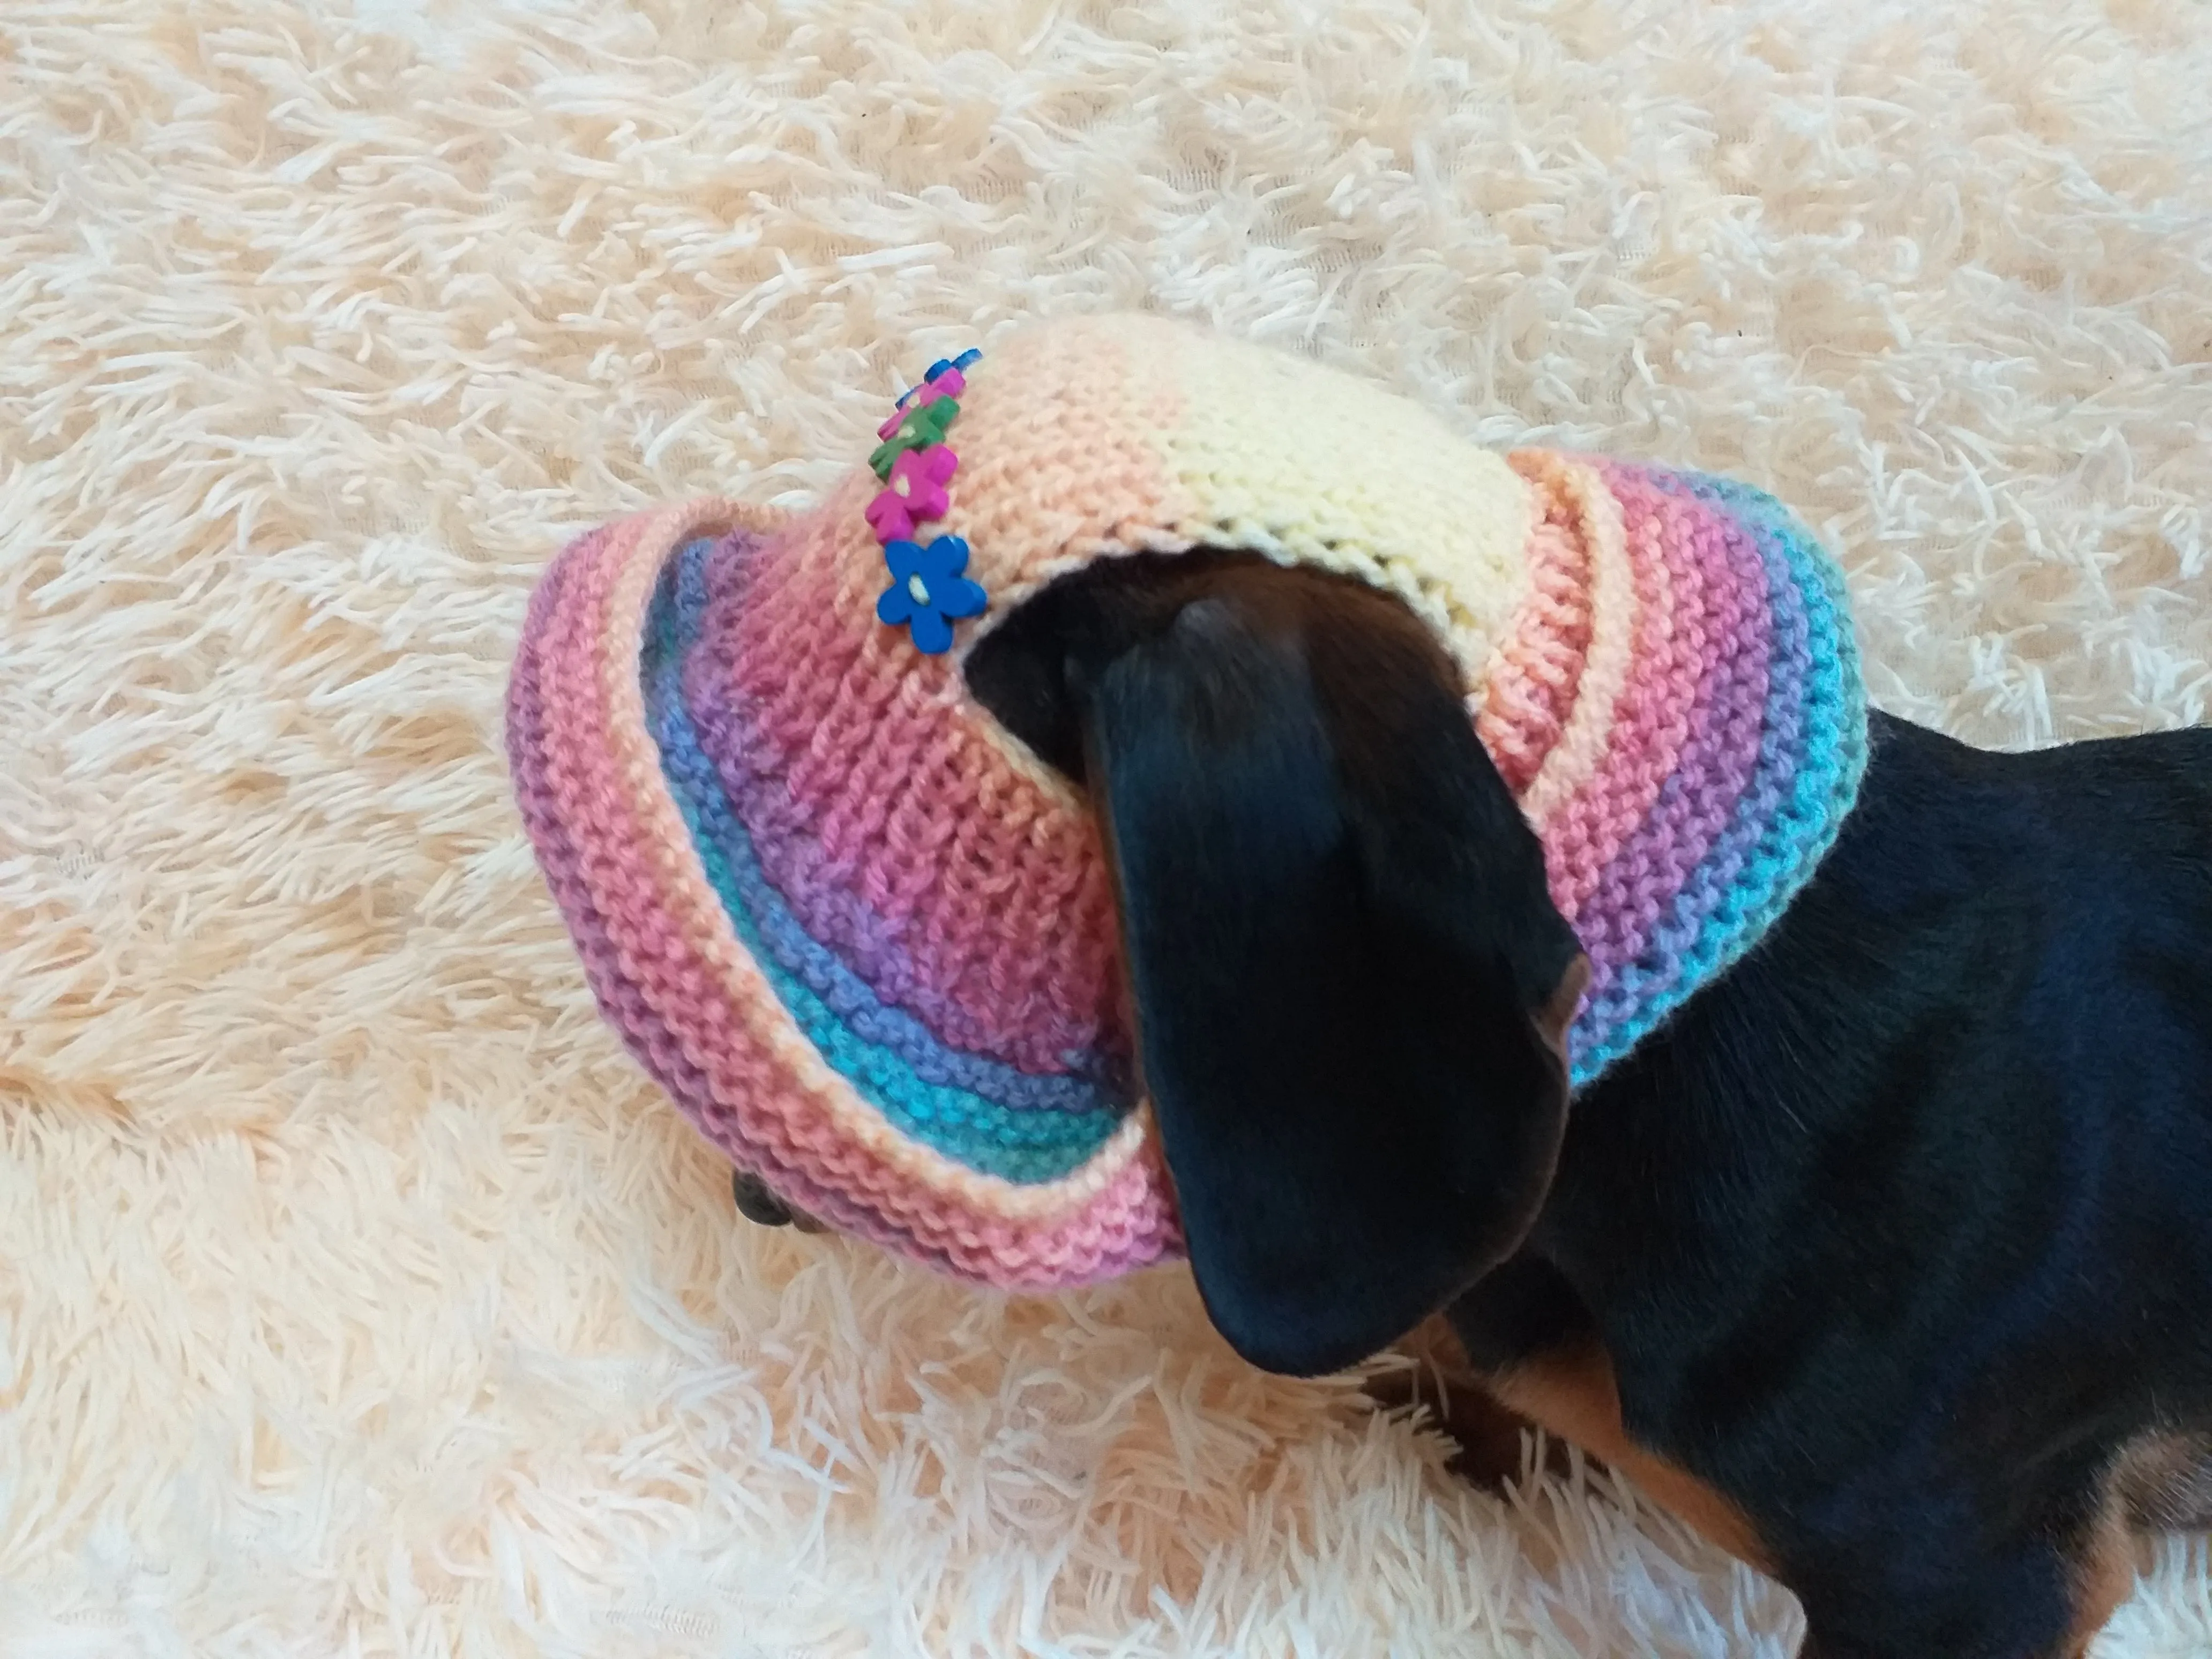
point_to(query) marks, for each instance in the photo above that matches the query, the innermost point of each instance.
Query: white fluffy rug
(356, 1296)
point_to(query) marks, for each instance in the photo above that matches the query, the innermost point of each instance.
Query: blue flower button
(928, 592)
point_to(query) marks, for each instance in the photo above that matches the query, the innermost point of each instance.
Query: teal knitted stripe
(1829, 756)
(1026, 1145)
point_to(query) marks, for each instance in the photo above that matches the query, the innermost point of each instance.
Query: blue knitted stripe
(849, 996)
(953, 1102)
(1813, 747)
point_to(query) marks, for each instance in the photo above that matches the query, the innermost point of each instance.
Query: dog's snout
(758, 1205)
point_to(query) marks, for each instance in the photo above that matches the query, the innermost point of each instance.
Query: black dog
(1886, 1261)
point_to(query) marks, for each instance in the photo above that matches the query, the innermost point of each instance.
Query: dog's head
(1350, 984)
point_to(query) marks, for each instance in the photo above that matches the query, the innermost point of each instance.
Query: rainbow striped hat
(866, 941)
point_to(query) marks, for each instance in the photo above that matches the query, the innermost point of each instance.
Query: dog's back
(1904, 1230)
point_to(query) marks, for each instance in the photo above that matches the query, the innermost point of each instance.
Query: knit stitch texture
(867, 942)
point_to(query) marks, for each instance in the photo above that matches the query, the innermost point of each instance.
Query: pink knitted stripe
(670, 939)
(893, 826)
(872, 853)
(713, 1114)
(1009, 1247)
(641, 1025)
(1584, 740)
(1720, 629)
(1537, 669)
(1649, 720)
(575, 657)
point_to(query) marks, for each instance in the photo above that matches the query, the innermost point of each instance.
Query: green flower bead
(923, 426)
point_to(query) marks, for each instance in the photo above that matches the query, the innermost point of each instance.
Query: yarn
(867, 942)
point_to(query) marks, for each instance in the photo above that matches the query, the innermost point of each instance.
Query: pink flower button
(914, 493)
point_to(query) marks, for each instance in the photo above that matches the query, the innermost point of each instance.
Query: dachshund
(1886, 1262)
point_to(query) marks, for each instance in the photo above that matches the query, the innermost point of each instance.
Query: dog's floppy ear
(1351, 984)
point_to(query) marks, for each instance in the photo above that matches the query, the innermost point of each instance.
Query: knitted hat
(866, 941)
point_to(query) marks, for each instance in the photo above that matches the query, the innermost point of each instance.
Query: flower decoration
(928, 592)
(947, 378)
(915, 492)
(950, 384)
(919, 428)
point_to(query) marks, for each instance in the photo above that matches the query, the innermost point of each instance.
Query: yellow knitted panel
(1313, 466)
(1124, 434)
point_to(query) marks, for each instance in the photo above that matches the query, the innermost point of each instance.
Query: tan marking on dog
(1574, 1395)
(2163, 1482)
(2104, 1577)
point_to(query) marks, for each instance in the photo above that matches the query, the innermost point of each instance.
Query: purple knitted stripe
(647, 1037)
(828, 901)
(1713, 887)
(1639, 888)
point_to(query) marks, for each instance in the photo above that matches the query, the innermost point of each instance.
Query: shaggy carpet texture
(357, 1295)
